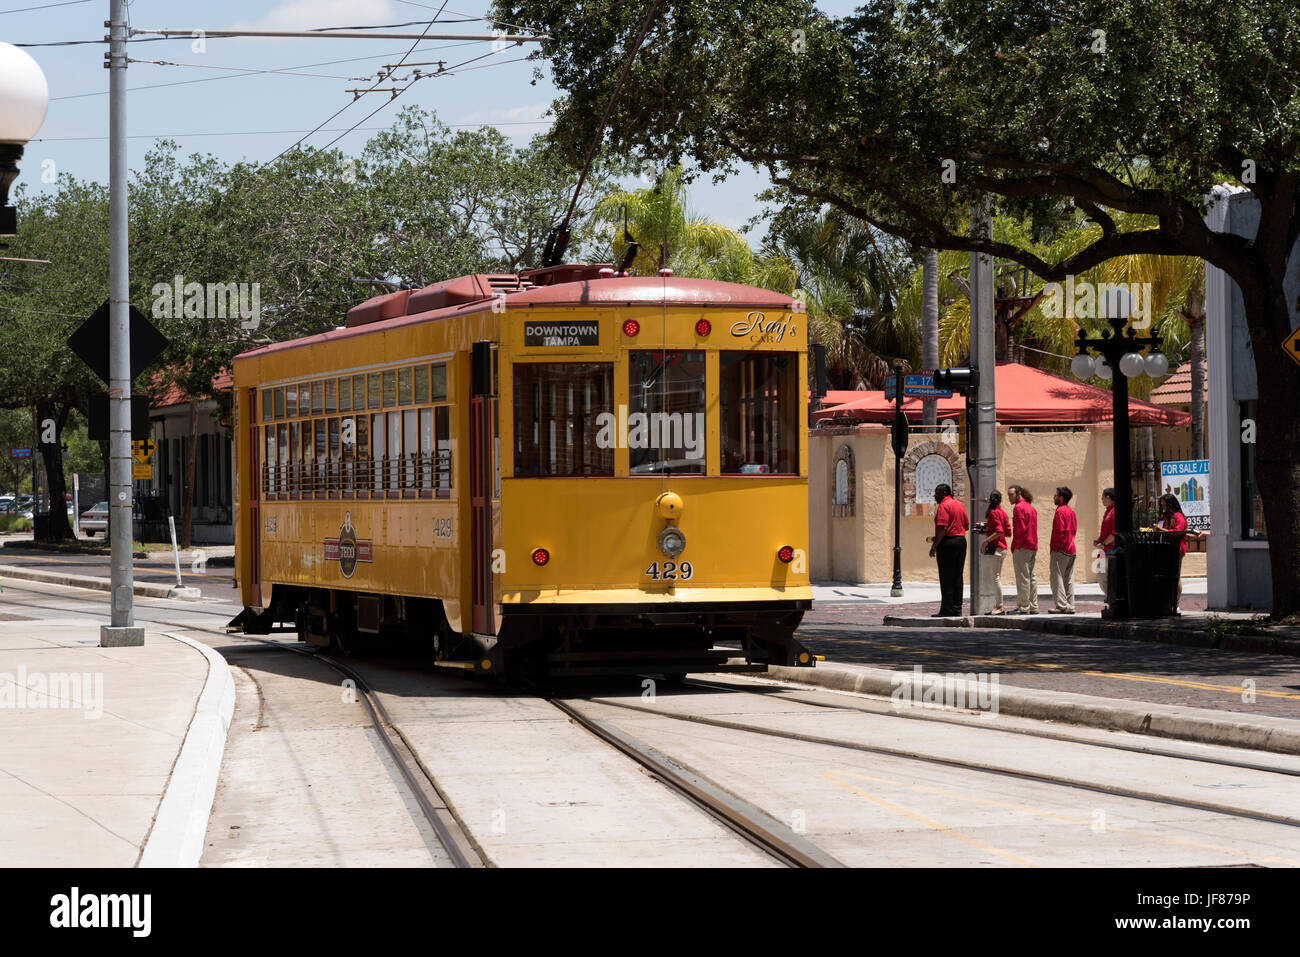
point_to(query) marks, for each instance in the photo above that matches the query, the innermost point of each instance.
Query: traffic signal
(961, 379)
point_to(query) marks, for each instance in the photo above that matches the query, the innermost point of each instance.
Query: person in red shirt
(1065, 526)
(1105, 543)
(997, 535)
(1173, 521)
(949, 548)
(1024, 548)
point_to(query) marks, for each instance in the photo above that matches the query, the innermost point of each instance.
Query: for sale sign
(1189, 482)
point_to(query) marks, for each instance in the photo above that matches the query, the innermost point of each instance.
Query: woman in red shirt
(1174, 522)
(997, 534)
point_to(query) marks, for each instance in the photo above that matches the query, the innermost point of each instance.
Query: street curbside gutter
(1201, 725)
(181, 823)
(140, 589)
(1165, 632)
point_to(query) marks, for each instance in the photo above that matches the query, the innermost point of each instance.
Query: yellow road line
(921, 819)
(1062, 817)
(1065, 669)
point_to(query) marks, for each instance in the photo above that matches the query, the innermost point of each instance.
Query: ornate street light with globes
(1119, 349)
(24, 97)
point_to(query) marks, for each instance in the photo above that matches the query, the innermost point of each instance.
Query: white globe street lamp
(1082, 366)
(1157, 365)
(1131, 364)
(24, 97)
(1103, 368)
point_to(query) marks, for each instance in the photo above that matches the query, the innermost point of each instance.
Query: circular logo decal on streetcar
(347, 549)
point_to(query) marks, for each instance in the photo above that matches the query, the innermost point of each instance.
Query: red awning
(1025, 396)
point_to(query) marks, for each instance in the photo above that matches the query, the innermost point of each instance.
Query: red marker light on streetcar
(703, 327)
(541, 556)
(631, 327)
(786, 554)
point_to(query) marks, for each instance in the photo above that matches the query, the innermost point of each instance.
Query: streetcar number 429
(670, 571)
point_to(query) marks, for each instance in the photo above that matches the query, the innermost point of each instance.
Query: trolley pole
(121, 629)
(899, 441)
(982, 451)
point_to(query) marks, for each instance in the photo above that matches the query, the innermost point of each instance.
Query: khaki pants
(991, 581)
(1063, 581)
(1022, 559)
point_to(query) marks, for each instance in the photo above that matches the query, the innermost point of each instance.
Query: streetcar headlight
(672, 541)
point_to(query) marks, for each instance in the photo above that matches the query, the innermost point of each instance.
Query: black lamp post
(1120, 357)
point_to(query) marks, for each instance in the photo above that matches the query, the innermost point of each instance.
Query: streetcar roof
(475, 293)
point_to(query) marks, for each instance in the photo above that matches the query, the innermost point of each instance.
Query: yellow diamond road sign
(142, 450)
(1291, 344)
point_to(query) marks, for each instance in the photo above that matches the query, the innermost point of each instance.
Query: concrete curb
(1088, 627)
(176, 838)
(141, 589)
(1202, 725)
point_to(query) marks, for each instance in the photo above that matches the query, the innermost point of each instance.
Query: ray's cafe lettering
(758, 328)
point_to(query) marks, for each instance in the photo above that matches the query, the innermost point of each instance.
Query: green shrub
(14, 523)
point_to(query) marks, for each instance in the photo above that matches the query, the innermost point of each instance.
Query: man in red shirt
(949, 548)
(1024, 548)
(1065, 526)
(1105, 543)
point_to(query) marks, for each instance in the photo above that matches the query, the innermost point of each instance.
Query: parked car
(95, 520)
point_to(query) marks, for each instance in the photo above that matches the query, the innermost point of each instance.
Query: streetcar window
(410, 448)
(361, 447)
(377, 450)
(421, 374)
(307, 474)
(322, 456)
(404, 386)
(556, 409)
(331, 396)
(304, 399)
(665, 412)
(291, 401)
(268, 408)
(438, 386)
(426, 449)
(393, 482)
(282, 458)
(358, 392)
(442, 433)
(317, 398)
(390, 388)
(334, 483)
(760, 413)
(373, 390)
(345, 394)
(268, 486)
(295, 457)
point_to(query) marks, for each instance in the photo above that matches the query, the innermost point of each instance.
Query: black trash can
(1152, 564)
(41, 526)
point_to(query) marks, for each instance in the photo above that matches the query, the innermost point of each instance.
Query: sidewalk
(108, 756)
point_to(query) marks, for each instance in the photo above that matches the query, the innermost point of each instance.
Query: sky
(214, 104)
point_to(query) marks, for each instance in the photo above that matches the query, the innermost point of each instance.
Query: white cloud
(312, 14)
(532, 112)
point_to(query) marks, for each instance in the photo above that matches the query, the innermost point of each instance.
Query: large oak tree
(1060, 110)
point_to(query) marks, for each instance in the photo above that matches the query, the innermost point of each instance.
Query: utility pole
(981, 447)
(122, 629)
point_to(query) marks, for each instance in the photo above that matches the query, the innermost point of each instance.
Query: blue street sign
(921, 384)
(21, 454)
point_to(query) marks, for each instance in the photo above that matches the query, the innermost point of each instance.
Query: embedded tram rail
(750, 810)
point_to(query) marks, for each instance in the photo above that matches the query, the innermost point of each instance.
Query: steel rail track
(380, 719)
(749, 822)
(1027, 732)
(905, 754)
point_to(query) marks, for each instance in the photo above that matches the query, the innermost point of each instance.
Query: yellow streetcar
(564, 470)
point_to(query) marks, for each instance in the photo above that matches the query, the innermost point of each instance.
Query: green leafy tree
(906, 112)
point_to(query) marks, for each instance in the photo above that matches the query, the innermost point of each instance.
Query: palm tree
(669, 235)
(930, 325)
(848, 283)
